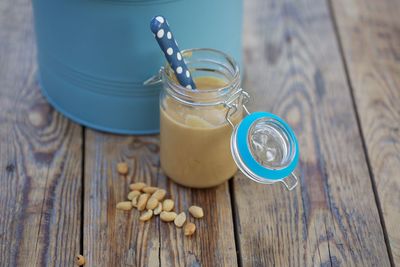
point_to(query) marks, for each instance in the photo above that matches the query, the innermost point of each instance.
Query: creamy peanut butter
(195, 142)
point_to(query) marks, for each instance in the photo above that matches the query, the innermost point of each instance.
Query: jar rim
(222, 92)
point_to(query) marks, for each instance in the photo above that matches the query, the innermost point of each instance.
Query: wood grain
(213, 244)
(40, 162)
(118, 238)
(294, 69)
(370, 35)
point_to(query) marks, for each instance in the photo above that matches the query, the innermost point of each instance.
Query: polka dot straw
(159, 26)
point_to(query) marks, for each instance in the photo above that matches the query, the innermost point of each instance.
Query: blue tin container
(94, 55)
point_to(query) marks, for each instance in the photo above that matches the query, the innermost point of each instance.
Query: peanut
(137, 186)
(189, 229)
(135, 201)
(168, 205)
(180, 219)
(196, 211)
(133, 194)
(152, 203)
(158, 210)
(80, 260)
(124, 205)
(149, 189)
(168, 216)
(122, 168)
(142, 201)
(159, 194)
(146, 216)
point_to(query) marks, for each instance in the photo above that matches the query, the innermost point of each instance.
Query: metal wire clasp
(155, 79)
(232, 105)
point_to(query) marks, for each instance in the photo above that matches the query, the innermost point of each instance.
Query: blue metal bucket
(94, 55)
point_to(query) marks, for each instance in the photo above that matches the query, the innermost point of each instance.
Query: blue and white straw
(159, 26)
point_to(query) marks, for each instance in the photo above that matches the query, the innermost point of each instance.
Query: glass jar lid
(265, 149)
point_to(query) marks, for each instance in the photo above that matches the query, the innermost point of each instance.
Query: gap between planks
(235, 220)
(81, 243)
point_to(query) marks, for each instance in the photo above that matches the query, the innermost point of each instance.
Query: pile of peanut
(151, 202)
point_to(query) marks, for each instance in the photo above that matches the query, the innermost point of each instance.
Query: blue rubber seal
(247, 157)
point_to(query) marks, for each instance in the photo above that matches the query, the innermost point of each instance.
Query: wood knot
(10, 167)
(38, 115)
(35, 119)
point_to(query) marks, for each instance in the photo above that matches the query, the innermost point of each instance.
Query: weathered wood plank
(113, 237)
(214, 243)
(370, 35)
(294, 69)
(40, 162)
(117, 238)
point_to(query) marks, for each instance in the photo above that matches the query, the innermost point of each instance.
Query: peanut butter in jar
(195, 140)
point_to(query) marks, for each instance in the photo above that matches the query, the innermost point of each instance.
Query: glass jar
(203, 136)
(194, 134)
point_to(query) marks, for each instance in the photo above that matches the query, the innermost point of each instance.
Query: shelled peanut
(124, 205)
(189, 229)
(180, 219)
(168, 216)
(122, 168)
(167, 205)
(133, 194)
(152, 202)
(80, 260)
(137, 186)
(146, 215)
(142, 201)
(158, 209)
(196, 211)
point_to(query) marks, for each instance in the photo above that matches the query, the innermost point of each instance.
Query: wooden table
(330, 68)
